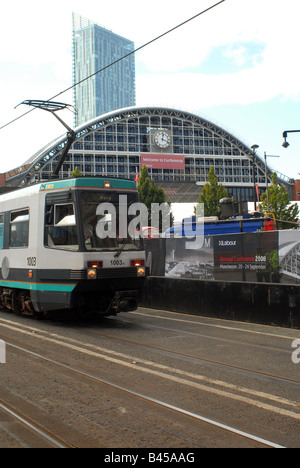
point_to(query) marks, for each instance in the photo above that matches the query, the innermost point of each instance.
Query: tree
(280, 205)
(211, 195)
(76, 173)
(149, 193)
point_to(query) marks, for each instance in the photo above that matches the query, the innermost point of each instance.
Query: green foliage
(211, 195)
(149, 193)
(76, 173)
(280, 205)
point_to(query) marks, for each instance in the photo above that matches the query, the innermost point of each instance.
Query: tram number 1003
(117, 262)
(31, 261)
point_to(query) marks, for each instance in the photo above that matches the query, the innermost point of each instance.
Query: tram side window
(1, 231)
(19, 228)
(60, 227)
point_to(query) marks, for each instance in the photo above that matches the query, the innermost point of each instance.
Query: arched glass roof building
(178, 148)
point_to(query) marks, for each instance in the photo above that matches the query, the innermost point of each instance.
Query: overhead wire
(120, 59)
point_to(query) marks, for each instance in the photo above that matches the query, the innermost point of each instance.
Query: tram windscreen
(106, 222)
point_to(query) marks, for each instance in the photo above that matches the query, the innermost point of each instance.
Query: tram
(54, 256)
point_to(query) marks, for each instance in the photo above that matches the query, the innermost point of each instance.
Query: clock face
(162, 139)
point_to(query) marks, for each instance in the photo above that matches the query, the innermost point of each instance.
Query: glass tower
(94, 48)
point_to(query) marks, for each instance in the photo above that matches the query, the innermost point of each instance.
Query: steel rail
(199, 358)
(151, 400)
(36, 427)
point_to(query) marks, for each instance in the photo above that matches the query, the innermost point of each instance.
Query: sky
(236, 65)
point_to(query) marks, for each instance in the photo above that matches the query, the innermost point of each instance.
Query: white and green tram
(65, 245)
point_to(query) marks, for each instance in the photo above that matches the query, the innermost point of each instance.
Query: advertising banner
(162, 161)
(289, 256)
(270, 257)
(247, 257)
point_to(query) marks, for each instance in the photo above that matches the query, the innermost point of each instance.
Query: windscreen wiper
(120, 249)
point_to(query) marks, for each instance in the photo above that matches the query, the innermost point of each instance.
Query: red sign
(162, 161)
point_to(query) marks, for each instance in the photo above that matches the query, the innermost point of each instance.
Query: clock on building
(162, 139)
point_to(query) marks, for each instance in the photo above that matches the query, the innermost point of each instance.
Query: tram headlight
(92, 273)
(141, 271)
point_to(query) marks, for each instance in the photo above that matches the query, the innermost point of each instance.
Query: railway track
(200, 358)
(56, 441)
(133, 363)
(42, 432)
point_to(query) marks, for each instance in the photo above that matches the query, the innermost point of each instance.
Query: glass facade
(95, 48)
(115, 144)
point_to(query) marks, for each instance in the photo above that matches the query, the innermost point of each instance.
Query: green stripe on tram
(37, 286)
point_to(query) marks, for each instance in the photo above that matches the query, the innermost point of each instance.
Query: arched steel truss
(33, 169)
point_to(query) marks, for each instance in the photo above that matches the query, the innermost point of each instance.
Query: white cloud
(36, 60)
(275, 71)
(199, 90)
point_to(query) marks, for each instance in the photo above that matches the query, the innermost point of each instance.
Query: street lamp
(266, 175)
(285, 144)
(254, 148)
